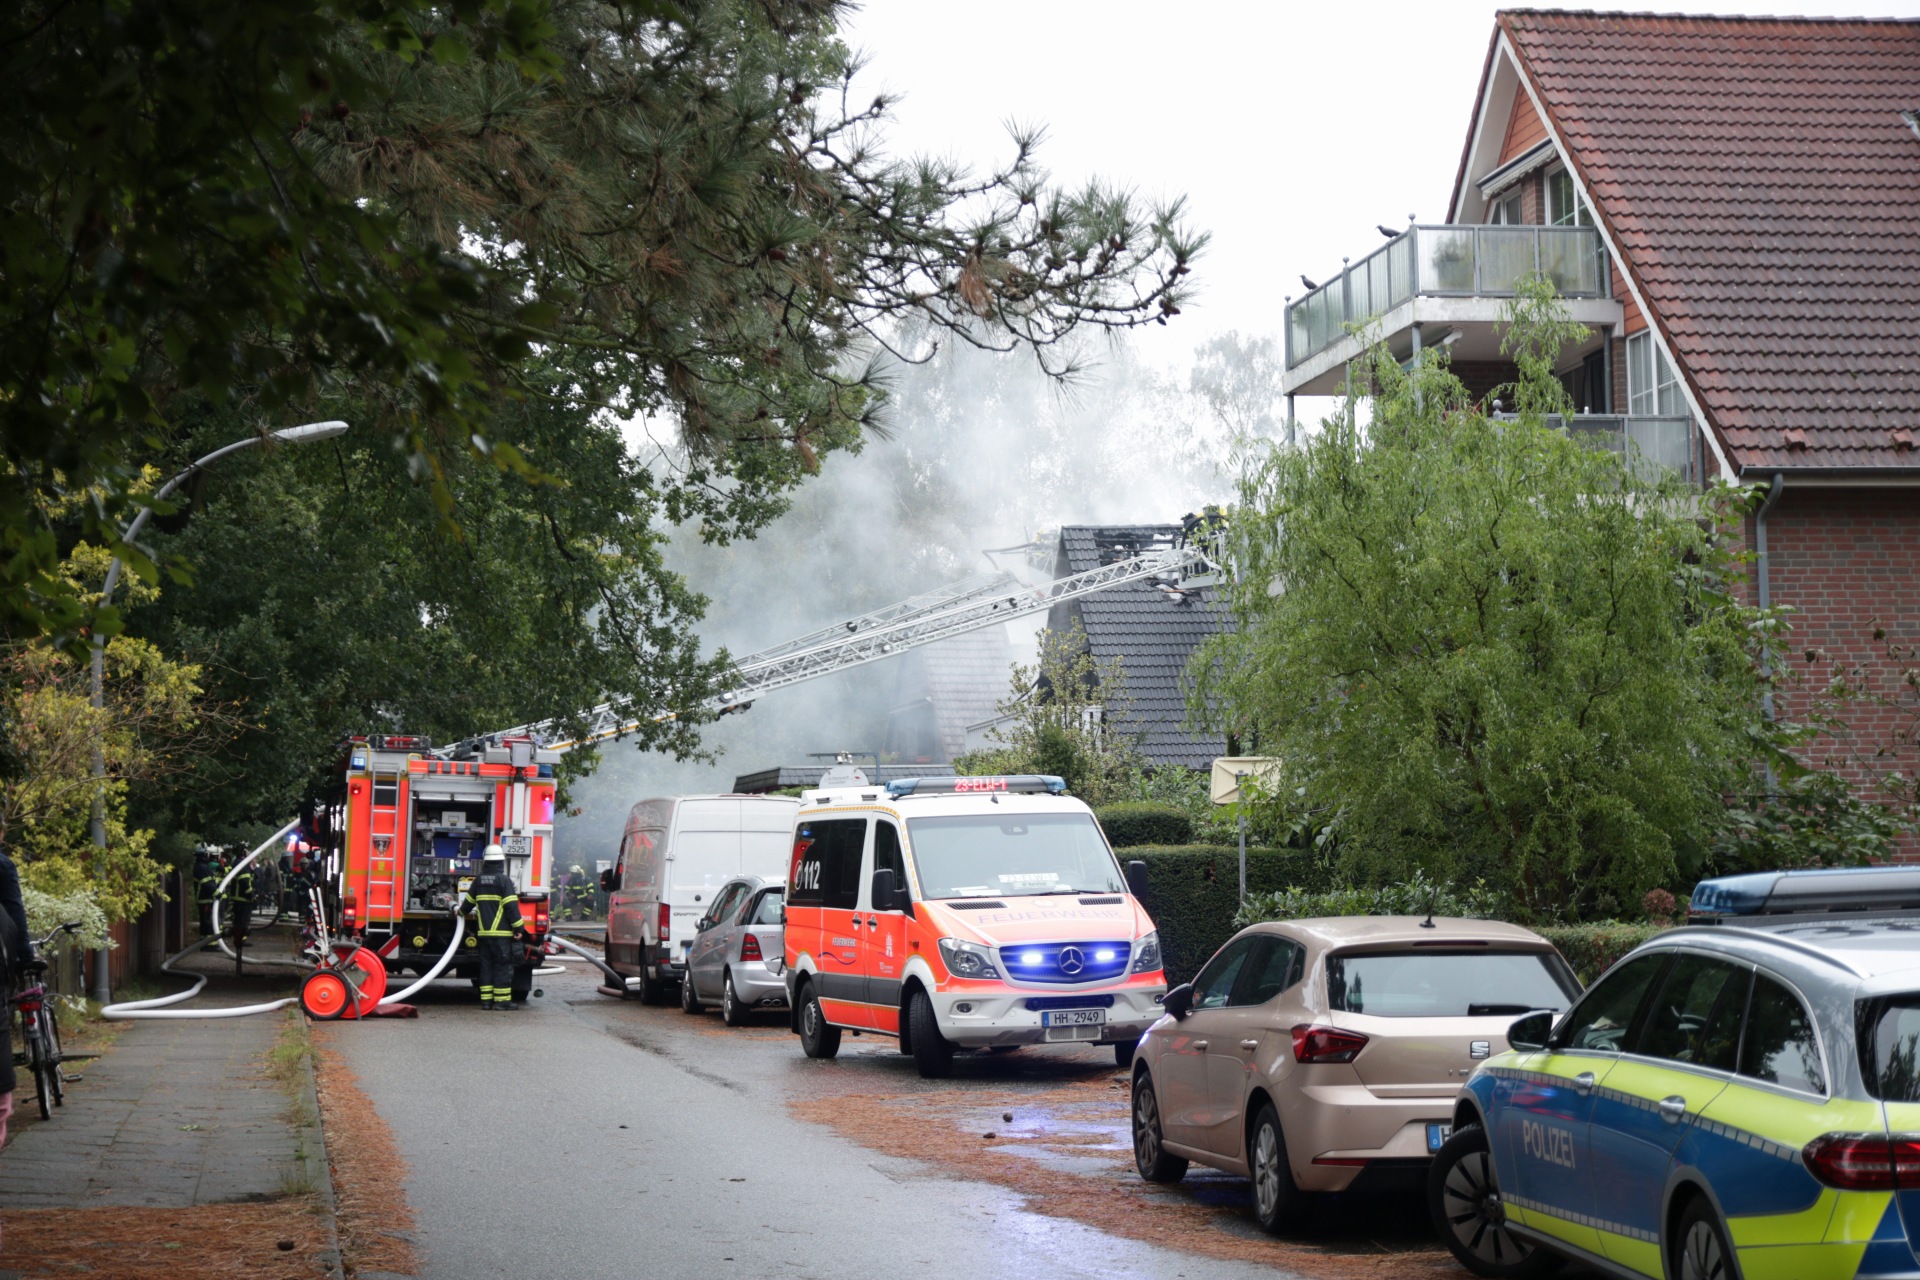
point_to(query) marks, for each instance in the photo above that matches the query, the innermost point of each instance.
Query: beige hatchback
(1317, 1055)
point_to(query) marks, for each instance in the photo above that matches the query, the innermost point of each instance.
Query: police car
(1738, 1098)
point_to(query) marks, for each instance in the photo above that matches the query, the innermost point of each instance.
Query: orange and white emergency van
(964, 913)
(404, 833)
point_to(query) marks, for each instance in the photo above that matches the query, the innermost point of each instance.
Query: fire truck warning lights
(1019, 783)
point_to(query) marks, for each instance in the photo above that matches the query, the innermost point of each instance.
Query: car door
(709, 951)
(1186, 1101)
(1543, 1105)
(1677, 1061)
(1243, 1035)
(829, 855)
(883, 939)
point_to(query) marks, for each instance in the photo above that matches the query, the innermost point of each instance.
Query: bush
(1193, 892)
(45, 910)
(1592, 948)
(1137, 823)
(1416, 896)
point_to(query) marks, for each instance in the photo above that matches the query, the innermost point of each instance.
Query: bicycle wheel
(50, 1037)
(37, 1063)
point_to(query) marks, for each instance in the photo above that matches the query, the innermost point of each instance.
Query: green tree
(1059, 714)
(262, 206)
(1491, 650)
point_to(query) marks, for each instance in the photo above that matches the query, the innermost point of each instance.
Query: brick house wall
(1848, 561)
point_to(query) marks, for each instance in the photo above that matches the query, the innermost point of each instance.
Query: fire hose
(156, 1008)
(618, 980)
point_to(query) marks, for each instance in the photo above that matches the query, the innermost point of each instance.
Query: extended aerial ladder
(1182, 565)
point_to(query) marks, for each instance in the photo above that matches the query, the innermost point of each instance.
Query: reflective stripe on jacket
(496, 907)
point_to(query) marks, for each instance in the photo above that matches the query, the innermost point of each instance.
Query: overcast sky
(1292, 128)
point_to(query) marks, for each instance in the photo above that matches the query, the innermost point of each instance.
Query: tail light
(349, 912)
(750, 948)
(27, 1004)
(1865, 1161)
(1326, 1044)
(539, 915)
(666, 921)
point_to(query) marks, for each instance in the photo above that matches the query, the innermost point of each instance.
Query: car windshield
(1448, 984)
(1893, 1050)
(991, 855)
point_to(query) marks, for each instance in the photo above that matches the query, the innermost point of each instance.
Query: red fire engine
(405, 831)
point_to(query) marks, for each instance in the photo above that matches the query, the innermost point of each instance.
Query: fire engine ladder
(968, 605)
(389, 837)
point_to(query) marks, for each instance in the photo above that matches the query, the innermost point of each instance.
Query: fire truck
(404, 829)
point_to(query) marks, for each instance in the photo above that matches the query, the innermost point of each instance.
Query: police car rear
(1736, 1098)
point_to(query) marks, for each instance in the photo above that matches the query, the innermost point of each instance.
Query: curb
(319, 1169)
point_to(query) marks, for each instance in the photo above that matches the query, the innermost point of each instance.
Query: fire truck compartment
(449, 835)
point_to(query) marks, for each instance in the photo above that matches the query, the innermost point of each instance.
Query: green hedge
(1591, 948)
(1138, 822)
(1193, 892)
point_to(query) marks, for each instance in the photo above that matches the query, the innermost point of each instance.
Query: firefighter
(206, 879)
(493, 905)
(238, 905)
(580, 895)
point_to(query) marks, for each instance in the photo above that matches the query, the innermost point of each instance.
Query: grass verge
(374, 1221)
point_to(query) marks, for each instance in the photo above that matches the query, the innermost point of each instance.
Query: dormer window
(1565, 208)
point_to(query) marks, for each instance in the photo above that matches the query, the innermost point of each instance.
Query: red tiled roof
(1758, 177)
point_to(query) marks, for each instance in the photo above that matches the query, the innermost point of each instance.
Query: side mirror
(609, 880)
(1530, 1034)
(1137, 879)
(1179, 1001)
(888, 893)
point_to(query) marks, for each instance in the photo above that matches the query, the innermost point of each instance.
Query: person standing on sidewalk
(206, 879)
(493, 904)
(16, 948)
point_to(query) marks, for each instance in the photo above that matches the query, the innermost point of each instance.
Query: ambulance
(965, 913)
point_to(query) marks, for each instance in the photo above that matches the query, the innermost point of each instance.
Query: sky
(1293, 129)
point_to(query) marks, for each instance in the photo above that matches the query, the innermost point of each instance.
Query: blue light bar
(1009, 784)
(1775, 893)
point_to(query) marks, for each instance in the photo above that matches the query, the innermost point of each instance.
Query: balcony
(1457, 276)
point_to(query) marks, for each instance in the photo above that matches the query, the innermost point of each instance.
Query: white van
(675, 855)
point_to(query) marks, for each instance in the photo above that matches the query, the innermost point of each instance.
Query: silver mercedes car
(737, 956)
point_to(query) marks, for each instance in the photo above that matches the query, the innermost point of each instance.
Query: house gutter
(1778, 487)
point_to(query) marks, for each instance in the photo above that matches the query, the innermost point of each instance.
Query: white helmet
(494, 853)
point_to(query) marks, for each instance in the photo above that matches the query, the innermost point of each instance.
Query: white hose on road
(617, 978)
(156, 1008)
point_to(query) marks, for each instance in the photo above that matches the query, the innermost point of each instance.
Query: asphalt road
(587, 1137)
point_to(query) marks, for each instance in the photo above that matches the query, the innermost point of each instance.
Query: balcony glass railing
(1446, 262)
(1655, 443)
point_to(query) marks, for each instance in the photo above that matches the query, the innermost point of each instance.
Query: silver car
(738, 954)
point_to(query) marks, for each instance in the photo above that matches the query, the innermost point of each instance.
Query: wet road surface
(592, 1137)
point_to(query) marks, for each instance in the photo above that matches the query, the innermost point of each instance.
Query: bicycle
(40, 1029)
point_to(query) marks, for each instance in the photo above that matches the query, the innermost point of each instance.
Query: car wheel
(689, 998)
(932, 1052)
(1277, 1202)
(1123, 1053)
(732, 1012)
(1149, 1147)
(1701, 1251)
(1464, 1200)
(818, 1037)
(652, 990)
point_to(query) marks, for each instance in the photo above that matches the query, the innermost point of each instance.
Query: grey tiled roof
(966, 677)
(1150, 633)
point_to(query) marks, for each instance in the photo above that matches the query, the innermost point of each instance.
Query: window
(1696, 1020)
(1780, 1046)
(1890, 1049)
(1505, 210)
(1653, 388)
(768, 910)
(723, 905)
(1217, 978)
(1448, 984)
(1601, 1021)
(1565, 208)
(1275, 965)
(826, 863)
(1020, 854)
(886, 853)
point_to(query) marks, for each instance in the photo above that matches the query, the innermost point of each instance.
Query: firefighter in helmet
(493, 905)
(580, 897)
(206, 879)
(238, 904)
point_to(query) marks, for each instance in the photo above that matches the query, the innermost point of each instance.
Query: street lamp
(287, 435)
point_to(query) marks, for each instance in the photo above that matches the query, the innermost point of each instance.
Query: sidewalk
(176, 1114)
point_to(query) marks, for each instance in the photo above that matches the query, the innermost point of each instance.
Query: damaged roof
(1761, 177)
(1150, 632)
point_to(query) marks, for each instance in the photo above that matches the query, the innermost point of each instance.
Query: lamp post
(102, 989)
